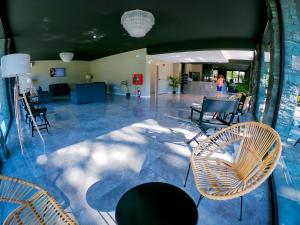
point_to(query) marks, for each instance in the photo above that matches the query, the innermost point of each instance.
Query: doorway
(154, 79)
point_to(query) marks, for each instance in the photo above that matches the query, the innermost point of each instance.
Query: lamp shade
(66, 56)
(15, 64)
(137, 22)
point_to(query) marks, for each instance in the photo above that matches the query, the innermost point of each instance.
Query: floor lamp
(15, 65)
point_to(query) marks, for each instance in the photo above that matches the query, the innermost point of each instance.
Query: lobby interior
(91, 154)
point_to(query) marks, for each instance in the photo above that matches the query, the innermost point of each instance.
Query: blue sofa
(85, 93)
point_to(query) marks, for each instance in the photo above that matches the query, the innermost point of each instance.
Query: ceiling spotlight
(66, 56)
(137, 22)
(94, 36)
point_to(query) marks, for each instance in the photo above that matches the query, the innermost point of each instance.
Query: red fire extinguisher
(138, 92)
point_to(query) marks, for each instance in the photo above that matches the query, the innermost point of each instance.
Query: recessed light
(94, 36)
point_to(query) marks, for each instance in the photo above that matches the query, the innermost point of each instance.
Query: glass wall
(264, 75)
(5, 115)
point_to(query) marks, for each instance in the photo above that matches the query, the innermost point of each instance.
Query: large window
(236, 76)
(5, 116)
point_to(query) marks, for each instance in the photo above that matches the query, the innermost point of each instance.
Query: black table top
(156, 204)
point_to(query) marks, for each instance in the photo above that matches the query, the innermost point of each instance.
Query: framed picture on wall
(57, 72)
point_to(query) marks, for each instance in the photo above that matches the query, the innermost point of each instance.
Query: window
(236, 76)
(5, 116)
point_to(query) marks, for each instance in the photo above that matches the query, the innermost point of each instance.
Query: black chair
(39, 113)
(44, 96)
(244, 106)
(214, 113)
(221, 113)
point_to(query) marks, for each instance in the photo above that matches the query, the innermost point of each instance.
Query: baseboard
(122, 94)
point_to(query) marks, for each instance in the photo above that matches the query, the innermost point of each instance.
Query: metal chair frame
(255, 156)
(221, 108)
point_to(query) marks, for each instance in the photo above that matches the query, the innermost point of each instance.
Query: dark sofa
(59, 89)
(44, 96)
(85, 93)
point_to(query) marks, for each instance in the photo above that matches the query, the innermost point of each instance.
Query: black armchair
(38, 111)
(44, 96)
(214, 113)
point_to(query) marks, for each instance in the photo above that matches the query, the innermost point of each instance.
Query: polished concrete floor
(287, 177)
(96, 152)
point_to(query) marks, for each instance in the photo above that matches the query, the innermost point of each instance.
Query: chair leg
(187, 175)
(32, 129)
(297, 142)
(194, 139)
(241, 208)
(192, 112)
(47, 122)
(200, 198)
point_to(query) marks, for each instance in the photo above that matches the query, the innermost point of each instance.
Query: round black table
(156, 204)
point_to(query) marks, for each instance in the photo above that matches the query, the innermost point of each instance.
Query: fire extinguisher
(138, 92)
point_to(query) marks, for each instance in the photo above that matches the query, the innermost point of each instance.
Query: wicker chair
(235, 160)
(36, 205)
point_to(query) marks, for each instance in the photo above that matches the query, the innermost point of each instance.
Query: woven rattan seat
(235, 160)
(36, 206)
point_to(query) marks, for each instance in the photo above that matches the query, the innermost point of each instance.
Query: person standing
(220, 84)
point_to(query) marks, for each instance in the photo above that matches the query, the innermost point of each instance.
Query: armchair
(36, 206)
(235, 161)
(44, 96)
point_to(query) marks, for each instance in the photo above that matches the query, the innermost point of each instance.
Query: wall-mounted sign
(137, 79)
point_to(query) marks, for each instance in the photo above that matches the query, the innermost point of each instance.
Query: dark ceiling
(46, 27)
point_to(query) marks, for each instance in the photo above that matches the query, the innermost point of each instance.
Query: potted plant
(242, 88)
(125, 83)
(174, 83)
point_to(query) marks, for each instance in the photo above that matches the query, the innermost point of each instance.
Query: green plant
(242, 88)
(125, 84)
(173, 82)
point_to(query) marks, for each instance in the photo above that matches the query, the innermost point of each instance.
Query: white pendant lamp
(66, 56)
(137, 22)
(14, 65)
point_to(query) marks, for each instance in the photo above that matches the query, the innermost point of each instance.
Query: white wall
(165, 69)
(75, 72)
(197, 68)
(113, 69)
(176, 69)
(193, 68)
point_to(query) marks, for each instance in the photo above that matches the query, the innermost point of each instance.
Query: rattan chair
(36, 206)
(235, 160)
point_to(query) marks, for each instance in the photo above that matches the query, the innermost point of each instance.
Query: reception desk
(200, 88)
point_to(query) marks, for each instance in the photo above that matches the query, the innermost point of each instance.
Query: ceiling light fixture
(137, 22)
(66, 56)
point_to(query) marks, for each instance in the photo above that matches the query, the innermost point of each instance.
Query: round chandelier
(137, 22)
(66, 56)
